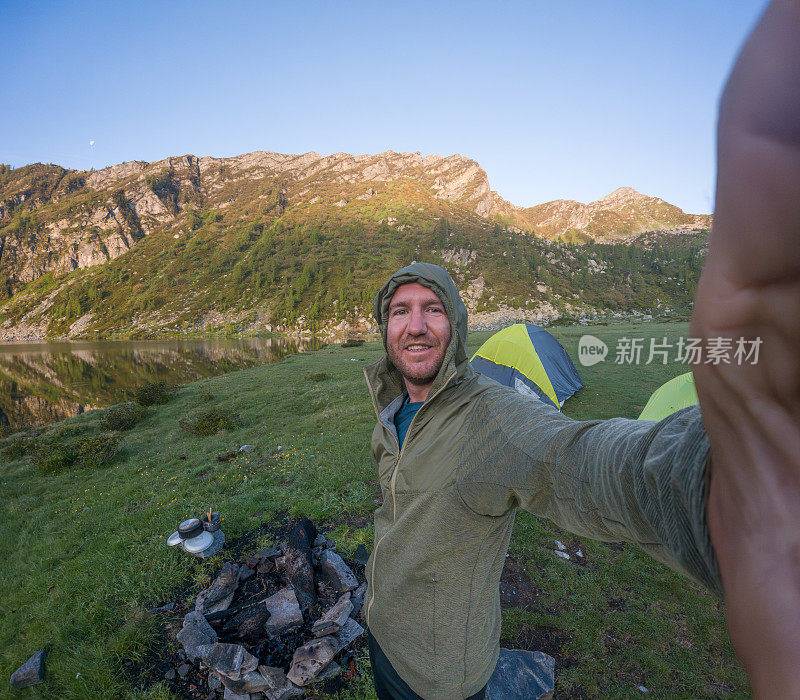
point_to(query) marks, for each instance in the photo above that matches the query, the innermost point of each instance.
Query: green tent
(676, 394)
(530, 360)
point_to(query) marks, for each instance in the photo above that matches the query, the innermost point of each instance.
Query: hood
(384, 379)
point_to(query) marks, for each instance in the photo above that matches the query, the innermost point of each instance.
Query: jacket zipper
(392, 482)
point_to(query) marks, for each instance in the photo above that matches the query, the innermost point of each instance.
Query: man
(456, 454)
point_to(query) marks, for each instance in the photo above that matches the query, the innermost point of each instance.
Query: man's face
(417, 333)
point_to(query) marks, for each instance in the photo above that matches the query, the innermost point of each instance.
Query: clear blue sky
(555, 99)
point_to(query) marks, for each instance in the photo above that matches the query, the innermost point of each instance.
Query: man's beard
(421, 375)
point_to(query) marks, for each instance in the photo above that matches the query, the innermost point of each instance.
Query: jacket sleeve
(619, 479)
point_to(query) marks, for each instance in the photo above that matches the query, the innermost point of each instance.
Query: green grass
(84, 550)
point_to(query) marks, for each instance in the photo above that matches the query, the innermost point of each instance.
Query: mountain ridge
(289, 234)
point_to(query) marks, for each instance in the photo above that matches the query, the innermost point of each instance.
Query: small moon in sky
(91, 143)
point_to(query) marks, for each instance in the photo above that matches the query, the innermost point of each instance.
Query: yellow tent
(676, 394)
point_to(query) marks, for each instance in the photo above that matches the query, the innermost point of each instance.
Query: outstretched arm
(751, 288)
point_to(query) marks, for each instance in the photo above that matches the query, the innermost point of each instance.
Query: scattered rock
(348, 633)
(361, 555)
(336, 572)
(219, 595)
(163, 608)
(522, 674)
(310, 659)
(195, 635)
(319, 540)
(31, 672)
(333, 620)
(285, 613)
(169, 675)
(183, 669)
(642, 689)
(247, 448)
(230, 661)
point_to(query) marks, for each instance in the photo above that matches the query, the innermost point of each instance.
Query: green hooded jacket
(474, 453)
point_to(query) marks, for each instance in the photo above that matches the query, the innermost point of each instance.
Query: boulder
(229, 661)
(31, 672)
(348, 633)
(284, 612)
(336, 572)
(310, 659)
(250, 682)
(281, 687)
(522, 674)
(333, 620)
(195, 635)
(219, 595)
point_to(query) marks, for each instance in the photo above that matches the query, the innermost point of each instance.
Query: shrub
(18, 444)
(206, 397)
(122, 416)
(58, 451)
(353, 342)
(95, 451)
(52, 458)
(209, 421)
(318, 377)
(152, 393)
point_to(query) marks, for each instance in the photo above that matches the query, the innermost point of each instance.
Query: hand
(750, 288)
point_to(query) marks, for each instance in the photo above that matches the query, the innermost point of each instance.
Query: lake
(45, 382)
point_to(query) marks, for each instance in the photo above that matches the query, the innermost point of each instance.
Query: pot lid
(199, 543)
(190, 528)
(174, 539)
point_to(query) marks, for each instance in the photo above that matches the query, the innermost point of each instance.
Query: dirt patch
(550, 640)
(516, 589)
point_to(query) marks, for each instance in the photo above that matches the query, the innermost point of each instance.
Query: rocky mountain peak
(622, 196)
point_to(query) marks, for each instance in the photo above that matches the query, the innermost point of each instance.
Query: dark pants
(389, 685)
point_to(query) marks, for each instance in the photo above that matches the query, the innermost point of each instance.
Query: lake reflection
(45, 382)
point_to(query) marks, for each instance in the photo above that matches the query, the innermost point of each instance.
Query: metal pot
(190, 528)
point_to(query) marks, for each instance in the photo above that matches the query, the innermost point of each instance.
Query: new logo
(591, 350)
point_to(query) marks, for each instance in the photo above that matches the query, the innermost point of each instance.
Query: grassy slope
(84, 552)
